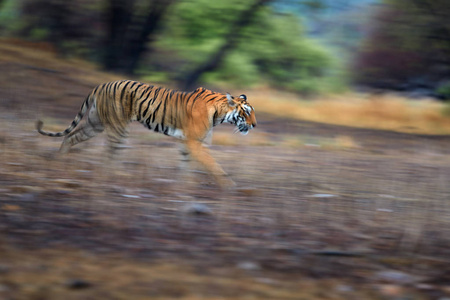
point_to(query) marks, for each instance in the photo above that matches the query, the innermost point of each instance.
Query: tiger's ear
(230, 100)
(243, 97)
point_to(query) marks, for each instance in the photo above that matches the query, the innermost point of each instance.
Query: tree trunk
(128, 36)
(138, 45)
(57, 15)
(190, 79)
(118, 18)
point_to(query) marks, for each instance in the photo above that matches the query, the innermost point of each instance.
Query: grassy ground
(321, 211)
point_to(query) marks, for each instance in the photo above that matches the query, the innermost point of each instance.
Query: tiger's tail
(84, 108)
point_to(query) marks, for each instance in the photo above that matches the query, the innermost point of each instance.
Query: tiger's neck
(220, 112)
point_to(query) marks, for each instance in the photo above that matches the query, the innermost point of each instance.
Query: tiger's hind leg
(185, 174)
(85, 131)
(185, 158)
(116, 137)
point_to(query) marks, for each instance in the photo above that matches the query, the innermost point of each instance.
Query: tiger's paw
(226, 183)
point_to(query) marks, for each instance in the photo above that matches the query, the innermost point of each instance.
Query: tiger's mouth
(243, 128)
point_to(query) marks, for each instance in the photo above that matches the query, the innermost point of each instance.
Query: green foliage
(237, 69)
(195, 29)
(9, 16)
(38, 34)
(274, 49)
(156, 77)
(283, 54)
(443, 91)
(201, 21)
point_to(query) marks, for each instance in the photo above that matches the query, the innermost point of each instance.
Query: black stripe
(124, 89)
(108, 91)
(174, 114)
(114, 89)
(130, 105)
(198, 96)
(108, 87)
(113, 114)
(140, 110)
(146, 98)
(155, 111)
(146, 109)
(134, 83)
(133, 95)
(215, 117)
(212, 99)
(171, 115)
(134, 87)
(189, 98)
(147, 92)
(95, 90)
(148, 123)
(155, 95)
(74, 123)
(103, 92)
(137, 88)
(183, 98)
(164, 111)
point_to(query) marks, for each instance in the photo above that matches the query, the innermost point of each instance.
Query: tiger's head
(240, 113)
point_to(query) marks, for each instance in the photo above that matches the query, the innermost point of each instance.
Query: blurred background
(352, 201)
(306, 47)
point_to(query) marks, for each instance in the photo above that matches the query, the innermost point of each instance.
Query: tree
(131, 27)
(56, 21)
(231, 40)
(202, 38)
(408, 46)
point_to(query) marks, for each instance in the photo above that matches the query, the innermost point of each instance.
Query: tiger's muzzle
(244, 127)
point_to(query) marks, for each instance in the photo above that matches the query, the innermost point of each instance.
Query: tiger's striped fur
(189, 116)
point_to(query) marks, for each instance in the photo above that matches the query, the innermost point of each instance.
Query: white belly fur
(178, 133)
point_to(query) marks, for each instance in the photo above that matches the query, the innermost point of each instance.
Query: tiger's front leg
(201, 154)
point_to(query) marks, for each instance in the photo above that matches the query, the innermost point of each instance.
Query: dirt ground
(319, 212)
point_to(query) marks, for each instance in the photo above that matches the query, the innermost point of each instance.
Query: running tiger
(189, 116)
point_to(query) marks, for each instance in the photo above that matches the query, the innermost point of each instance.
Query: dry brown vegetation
(381, 111)
(321, 211)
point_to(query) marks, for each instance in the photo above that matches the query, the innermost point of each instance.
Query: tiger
(187, 116)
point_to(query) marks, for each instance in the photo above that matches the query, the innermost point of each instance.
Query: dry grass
(387, 112)
(346, 142)
(289, 140)
(227, 138)
(41, 57)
